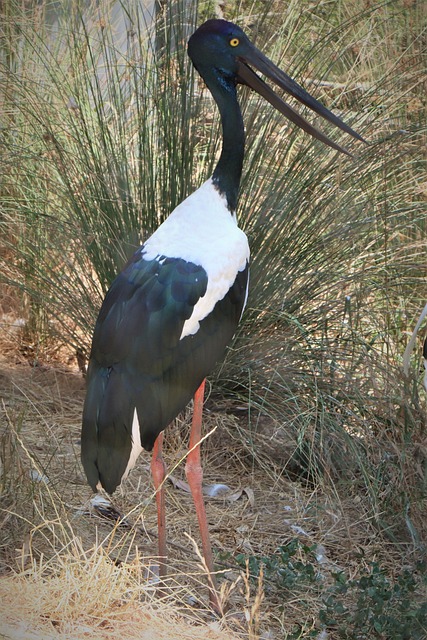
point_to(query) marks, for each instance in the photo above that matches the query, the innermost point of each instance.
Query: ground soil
(43, 483)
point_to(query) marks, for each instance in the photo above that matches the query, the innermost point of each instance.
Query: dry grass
(87, 596)
(79, 575)
(65, 571)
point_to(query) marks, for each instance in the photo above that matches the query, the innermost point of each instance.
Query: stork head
(222, 53)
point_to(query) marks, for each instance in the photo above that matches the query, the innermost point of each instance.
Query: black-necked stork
(169, 315)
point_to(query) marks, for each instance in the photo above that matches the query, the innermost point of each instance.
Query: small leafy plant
(289, 568)
(375, 606)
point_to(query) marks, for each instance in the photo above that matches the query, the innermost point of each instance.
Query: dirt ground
(47, 518)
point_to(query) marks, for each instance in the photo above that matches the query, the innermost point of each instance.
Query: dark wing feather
(138, 360)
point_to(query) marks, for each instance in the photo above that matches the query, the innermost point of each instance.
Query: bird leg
(194, 473)
(158, 471)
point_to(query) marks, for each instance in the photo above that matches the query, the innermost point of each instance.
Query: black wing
(138, 360)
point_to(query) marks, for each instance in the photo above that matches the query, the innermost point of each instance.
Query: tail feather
(107, 429)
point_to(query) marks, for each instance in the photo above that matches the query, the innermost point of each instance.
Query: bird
(168, 317)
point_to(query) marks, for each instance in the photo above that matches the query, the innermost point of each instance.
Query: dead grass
(87, 596)
(69, 573)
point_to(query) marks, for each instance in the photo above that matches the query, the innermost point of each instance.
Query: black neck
(229, 168)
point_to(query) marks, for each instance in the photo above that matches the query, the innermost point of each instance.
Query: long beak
(245, 75)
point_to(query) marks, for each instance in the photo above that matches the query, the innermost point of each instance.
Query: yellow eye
(234, 42)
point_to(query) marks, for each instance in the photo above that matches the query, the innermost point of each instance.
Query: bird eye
(234, 42)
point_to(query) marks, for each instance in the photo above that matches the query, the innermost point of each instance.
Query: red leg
(194, 473)
(158, 471)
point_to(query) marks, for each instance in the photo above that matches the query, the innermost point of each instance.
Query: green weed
(377, 606)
